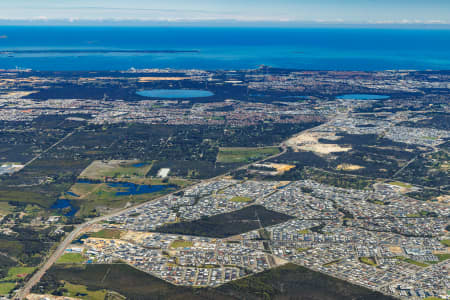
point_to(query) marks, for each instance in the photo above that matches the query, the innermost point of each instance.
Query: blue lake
(128, 188)
(72, 194)
(61, 204)
(88, 181)
(80, 239)
(174, 94)
(362, 97)
(139, 165)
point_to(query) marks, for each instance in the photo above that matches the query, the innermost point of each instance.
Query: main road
(79, 229)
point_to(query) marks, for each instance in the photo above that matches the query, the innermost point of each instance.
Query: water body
(88, 181)
(80, 239)
(297, 97)
(120, 48)
(72, 194)
(66, 205)
(140, 165)
(128, 188)
(175, 94)
(362, 97)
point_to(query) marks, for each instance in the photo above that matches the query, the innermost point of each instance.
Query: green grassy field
(414, 262)
(241, 199)
(301, 249)
(368, 261)
(18, 273)
(401, 184)
(181, 244)
(5, 208)
(441, 257)
(71, 258)
(82, 292)
(446, 242)
(82, 190)
(107, 234)
(6, 287)
(244, 155)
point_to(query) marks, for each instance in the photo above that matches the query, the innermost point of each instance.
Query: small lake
(88, 181)
(72, 194)
(362, 97)
(174, 94)
(128, 188)
(140, 165)
(65, 206)
(80, 239)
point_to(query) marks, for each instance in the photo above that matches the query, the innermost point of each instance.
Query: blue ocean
(120, 48)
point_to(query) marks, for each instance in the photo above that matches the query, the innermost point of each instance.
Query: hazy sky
(320, 11)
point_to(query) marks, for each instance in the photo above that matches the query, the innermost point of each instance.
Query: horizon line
(406, 24)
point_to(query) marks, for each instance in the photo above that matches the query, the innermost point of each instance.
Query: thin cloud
(410, 22)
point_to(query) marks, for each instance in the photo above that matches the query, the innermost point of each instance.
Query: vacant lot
(116, 168)
(81, 291)
(310, 141)
(71, 258)
(244, 155)
(181, 244)
(6, 287)
(18, 273)
(107, 234)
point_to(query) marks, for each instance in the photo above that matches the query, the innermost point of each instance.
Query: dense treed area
(28, 245)
(439, 121)
(190, 151)
(224, 225)
(286, 282)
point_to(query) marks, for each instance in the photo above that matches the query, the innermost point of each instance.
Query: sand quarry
(309, 141)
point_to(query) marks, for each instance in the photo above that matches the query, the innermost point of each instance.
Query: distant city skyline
(230, 12)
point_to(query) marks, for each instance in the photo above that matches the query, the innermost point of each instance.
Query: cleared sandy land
(18, 94)
(349, 167)
(136, 236)
(281, 168)
(49, 297)
(309, 141)
(396, 249)
(163, 172)
(279, 261)
(443, 199)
